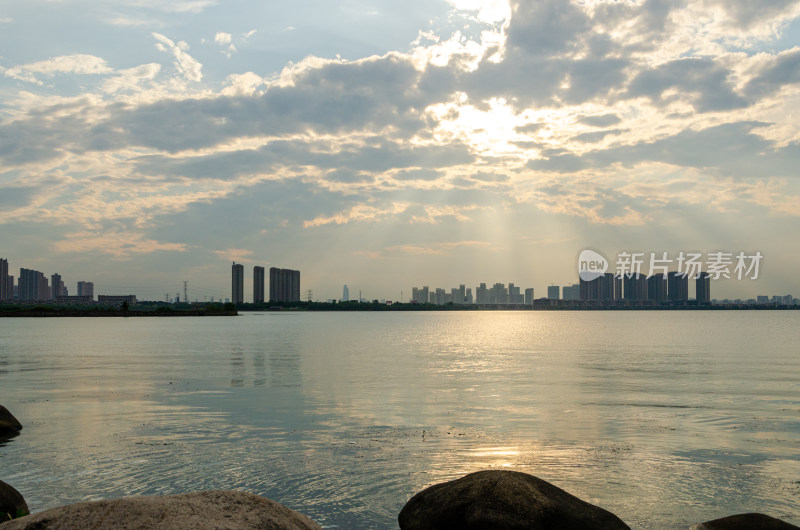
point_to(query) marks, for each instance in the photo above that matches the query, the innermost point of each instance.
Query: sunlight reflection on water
(345, 416)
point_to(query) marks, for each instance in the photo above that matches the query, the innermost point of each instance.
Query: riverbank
(47, 312)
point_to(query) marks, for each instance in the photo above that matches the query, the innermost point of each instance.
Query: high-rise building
(677, 286)
(4, 293)
(515, 296)
(703, 287)
(498, 294)
(346, 294)
(420, 295)
(459, 294)
(57, 286)
(86, 289)
(553, 292)
(31, 285)
(481, 294)
(258, 285)
(529, 296)
(657, 288)
(438, 296)
(571, 292)
(602, 288)
(237, 283)
(634, 286)
(284, 285)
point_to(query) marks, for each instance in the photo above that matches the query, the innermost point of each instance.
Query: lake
(665, 418)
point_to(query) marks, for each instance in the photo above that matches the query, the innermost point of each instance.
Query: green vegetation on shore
(125, 310)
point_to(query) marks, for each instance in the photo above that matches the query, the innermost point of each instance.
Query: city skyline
(144, 145)
(639, 284)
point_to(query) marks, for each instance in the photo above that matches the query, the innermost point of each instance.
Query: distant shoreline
(324, 307)
(95, 311)
(318, 307)
(113, 313)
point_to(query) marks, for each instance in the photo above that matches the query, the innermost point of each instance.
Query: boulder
(12, 505)
(203, 509)
(502, 500)
(745, 521)
(8, 423)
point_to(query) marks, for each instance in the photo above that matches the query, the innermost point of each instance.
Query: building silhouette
(32, 285)
(554, 292)
(345, 293)
(634, 287)
(514, 295)
(237, 283)
(529, 296)
(86, 289)
(657, 288)
(703, 287)
(258, 285)
(571, 292)
(603, 288)
(677, 286)
(284, 285)
(57, 286)
(4, 291)
(419, 295)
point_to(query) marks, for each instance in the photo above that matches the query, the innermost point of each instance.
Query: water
(664, 418)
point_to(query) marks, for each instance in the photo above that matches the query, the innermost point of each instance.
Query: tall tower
(284, 285)
(4, 294)
(346, 294)
(677, 286)
(258, 285)
(237, 283)
(703, 287)
(57, 285)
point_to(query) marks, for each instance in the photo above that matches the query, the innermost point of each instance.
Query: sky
(387, 145)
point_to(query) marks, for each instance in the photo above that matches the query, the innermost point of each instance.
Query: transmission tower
(185, 292)
(310, 295)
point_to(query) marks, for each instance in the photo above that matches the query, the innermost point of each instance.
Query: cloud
(597, 136)
(700, 82)
(14, 197)
(780, 70)
(177, 6)
(118, 244)
(604, 120)
(79, 64)
(418, 174)
(187, 65)
(225, 41)
(235, 254)
(222, 38)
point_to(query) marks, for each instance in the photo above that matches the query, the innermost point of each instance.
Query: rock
(203, 509)
(12, 505)
(502, 500)
(745, 521)
(8, 423)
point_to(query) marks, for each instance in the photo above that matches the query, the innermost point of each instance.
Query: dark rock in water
(8, 423)
(745, 521)
(202, 509)
(12, 505)
(502, 500)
